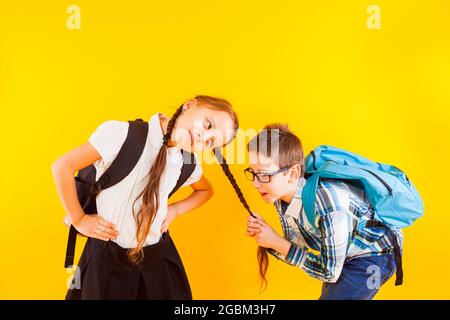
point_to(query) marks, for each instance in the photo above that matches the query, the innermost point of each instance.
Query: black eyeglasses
(262, 176)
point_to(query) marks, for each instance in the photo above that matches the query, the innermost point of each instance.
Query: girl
(129, 253)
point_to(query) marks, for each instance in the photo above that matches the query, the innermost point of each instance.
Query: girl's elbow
(59, 166)
(210, 192)
(56, 165)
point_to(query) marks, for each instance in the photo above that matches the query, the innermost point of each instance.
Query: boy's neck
(291, 193)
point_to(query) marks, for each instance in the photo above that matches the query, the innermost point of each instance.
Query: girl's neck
(163, 122)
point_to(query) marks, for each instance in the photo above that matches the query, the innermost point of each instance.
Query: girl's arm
(63, 170)
(203, 191)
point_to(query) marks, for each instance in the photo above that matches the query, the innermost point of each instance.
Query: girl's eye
(208, 124)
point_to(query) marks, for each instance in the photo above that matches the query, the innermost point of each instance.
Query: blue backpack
(394, 198)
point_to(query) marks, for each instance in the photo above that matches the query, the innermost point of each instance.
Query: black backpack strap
(397, 250)
(398, 261)
(70, 251)
(186, 170)
(127, 158)
(125, 161)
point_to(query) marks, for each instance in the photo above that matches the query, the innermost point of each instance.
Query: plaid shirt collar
(296, 204)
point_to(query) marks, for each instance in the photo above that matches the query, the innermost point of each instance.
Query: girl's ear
(189, 104)
(295, 173)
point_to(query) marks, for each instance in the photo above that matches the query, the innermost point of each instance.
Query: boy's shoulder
(334, 195)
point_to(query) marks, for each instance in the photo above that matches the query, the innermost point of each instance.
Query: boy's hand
(170, 216)
(267, 237)
(253, 226)
(95, 226)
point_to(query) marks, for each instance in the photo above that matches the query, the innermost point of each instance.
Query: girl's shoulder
(108, 138)
(113, 127)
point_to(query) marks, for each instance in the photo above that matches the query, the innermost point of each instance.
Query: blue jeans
(361, 278)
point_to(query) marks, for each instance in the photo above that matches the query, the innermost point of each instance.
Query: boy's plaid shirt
(339, 208)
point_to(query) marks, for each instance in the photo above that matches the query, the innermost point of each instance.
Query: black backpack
(123, 164)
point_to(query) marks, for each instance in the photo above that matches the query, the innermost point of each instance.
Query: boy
(352, 264)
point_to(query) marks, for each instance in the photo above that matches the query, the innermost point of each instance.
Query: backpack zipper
(314, 160)
(381, 180)
(389, 189)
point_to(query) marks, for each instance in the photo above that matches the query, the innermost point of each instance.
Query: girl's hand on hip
(170, 216)
(95, 226)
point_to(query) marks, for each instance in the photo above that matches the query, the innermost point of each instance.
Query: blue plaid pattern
(339, 232)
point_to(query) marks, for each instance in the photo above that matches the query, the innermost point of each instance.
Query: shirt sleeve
(327, 264)
(195, 176)
(108, 138)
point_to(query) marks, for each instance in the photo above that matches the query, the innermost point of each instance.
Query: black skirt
(106, 273)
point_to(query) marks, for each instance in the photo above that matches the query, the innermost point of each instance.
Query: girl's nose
(198, 136)
(206, 139)
(205, 136)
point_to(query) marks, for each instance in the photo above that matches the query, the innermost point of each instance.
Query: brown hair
(277, 136)
(263, 259)
(289, 151)
(150, 195)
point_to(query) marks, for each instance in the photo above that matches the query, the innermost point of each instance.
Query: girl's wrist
(77, 219)
(76, 216)
(175, 208)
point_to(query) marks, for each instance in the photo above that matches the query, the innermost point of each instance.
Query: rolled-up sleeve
(327, 264)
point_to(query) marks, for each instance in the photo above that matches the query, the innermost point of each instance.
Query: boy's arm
(327, 265)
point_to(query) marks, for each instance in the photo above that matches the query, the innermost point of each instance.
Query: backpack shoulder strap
(123, 164)
(309, 197)
(187, 169)
(127, 158)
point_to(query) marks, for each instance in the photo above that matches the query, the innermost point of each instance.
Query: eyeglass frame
(270, 174)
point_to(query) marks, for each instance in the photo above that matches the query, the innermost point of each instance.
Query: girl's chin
(189, 148)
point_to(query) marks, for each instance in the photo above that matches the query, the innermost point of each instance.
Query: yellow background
(315, 64)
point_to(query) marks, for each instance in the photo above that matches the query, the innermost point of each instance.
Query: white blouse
(115, 203)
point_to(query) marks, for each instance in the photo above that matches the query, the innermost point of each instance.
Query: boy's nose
(256, 183)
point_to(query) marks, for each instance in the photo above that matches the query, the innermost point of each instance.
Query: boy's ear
(295, 173)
